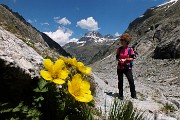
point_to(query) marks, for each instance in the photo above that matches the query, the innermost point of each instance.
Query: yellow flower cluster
(79, 65)
(59, 71)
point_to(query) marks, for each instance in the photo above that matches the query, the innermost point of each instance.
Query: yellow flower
(63, 58)
(72, 61)
(84, 69)
(80, 89)
(79, 65)
(56, 73)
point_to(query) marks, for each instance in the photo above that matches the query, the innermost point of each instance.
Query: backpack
(129, 53)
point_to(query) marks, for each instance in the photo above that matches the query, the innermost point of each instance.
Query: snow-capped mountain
(171, 1)
(90, 44)
(95, 37)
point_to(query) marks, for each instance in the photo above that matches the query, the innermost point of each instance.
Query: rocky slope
(89, 45)
(156, 69)
(22, 49)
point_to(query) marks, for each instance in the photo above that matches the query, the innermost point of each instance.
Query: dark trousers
(129, 75)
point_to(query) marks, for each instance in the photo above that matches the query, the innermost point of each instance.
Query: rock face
(169, 50)
(88, 46)
(19, 66)
(156, 70)
(161, 27)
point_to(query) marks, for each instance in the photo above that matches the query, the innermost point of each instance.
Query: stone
(20, 65)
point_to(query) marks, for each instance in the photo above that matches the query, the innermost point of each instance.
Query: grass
(168, 108)
(123, 110)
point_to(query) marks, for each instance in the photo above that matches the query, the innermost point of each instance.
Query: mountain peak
(93, 34)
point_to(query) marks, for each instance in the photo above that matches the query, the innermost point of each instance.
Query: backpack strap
(129, 51)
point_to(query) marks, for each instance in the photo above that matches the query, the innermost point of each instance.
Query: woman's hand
(122, 60)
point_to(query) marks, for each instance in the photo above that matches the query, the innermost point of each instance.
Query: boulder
(168, 50)
(19, 65)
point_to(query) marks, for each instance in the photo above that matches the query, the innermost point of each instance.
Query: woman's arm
(117, 54)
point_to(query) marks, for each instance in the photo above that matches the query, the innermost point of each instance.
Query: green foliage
(21, 111)
(123, 110)
(27, 108)
(65, 107)
(168, 108)
(48, 102)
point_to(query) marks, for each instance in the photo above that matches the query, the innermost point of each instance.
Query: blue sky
(68, 20)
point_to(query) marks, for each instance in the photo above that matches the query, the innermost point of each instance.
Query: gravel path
(155, 89)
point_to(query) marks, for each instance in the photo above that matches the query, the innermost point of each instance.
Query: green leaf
(18, 108)
(39, 99)
(37, 90)
(42, 83)
(44, 90)
(41, 86)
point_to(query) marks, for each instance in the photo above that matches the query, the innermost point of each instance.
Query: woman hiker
(125, 56)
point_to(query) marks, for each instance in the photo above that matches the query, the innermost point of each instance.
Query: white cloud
(63, 21)
(55, 18)
(46, 23)
(117, 34)
(73, 40)
(61, 36)
(29, 21)
(32, 21)
(90, 24)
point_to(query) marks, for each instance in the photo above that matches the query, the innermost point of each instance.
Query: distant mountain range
(89, 45)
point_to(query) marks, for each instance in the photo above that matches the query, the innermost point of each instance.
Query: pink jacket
(122, 55)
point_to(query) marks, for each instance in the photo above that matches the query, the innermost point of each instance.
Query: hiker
(125, 56)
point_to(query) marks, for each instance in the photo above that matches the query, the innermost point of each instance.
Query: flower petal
(46, 75)
(88, 70)
(59, 64)
(63, 74)
(48, 64)
(70, 87)
(80, 64)
(85, 85)
(84, 98)
(84, 69)
(72, 61)
(63, 58)
(58, 81)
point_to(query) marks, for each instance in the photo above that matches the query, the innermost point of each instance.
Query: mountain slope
(16, 24)
(162, 24)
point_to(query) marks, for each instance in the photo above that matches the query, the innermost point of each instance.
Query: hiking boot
(135, 97)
